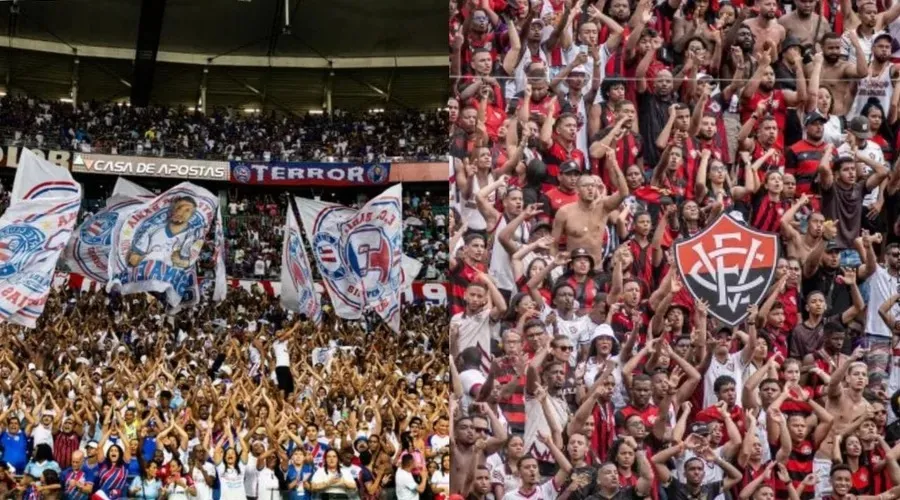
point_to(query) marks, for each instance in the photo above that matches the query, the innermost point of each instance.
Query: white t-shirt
(881, 286)
(42, 435)
(733, 367)
(282, 356)
(259, 267)
(267, 485)
(406, 486)
(204, 492)
(251, 476)
(470, 380)
(232, 482)
(546, 491)
(475, 330)
(536, 421)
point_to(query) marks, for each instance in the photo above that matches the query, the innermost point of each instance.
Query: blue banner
(310, 174)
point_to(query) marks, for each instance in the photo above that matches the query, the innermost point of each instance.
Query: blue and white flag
(359, 254)
(221, 287)
(297, 291)
(33, 233)
(156, 247)
(88, 251)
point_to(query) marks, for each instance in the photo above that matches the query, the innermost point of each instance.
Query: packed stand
(109, 398)
(223, 133)
(587, 138)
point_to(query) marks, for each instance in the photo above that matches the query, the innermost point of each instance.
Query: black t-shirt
(676, 490)
(653, 113)
(837, 295)
(585, 491)
(623, 494)
(844, 204)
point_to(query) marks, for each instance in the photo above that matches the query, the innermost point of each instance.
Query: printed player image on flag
(156, 246)
(297, 291)
(88, 251)
(33, 233)
(729, 265)
(359, 254)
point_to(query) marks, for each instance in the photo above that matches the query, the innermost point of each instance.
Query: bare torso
(803, 29)
(585, 228)
(845, 410)
(765, 32)
(841, 88)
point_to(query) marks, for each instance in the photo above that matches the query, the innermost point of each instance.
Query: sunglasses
(565, 347)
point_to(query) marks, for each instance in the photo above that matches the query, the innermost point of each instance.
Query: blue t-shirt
(37, 470)
(70, 491)
(15, 448)
(148, 448)
(146, 490)
(304, 473)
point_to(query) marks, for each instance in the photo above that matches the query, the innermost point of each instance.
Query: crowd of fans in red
(589, 137)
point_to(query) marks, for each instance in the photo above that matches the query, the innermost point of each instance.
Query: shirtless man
(803, 22)
(583, 223)
(799, 245)
(468, 442)
(838, 75)
(765, 26)
(844, 403)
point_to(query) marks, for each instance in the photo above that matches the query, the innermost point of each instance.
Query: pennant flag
(88, 251)
(33, 233)
(156, 247)
(359, 254)
(297, 288)
(219, 257)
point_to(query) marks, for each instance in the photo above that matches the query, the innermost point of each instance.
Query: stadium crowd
(222, 134)
(590, 136)
(109, 398)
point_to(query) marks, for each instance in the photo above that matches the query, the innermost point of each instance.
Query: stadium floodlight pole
(74, 90)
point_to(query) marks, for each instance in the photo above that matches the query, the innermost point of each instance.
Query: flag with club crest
(88, 251)
(34, 231)
(359, 254)
(297, 291)
(155, 248)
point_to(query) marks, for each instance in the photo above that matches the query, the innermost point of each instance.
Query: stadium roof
(382, 54)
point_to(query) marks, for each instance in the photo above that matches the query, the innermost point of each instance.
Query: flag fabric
(297, 288)
(221, 287)
(33, 234)
(359, 254)
(88, 250)
(156, 247)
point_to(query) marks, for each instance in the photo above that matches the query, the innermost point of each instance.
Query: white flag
(221, 287)
(88, 251)
(34, 231)
(359, 254)
(156, 247)
(297, 291)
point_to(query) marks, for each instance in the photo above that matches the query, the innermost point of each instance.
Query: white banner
(88, 251)
(297, 291)
(33, 233)
(156, 247)
(359, 254)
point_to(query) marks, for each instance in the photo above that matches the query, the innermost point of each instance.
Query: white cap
(604, 330)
